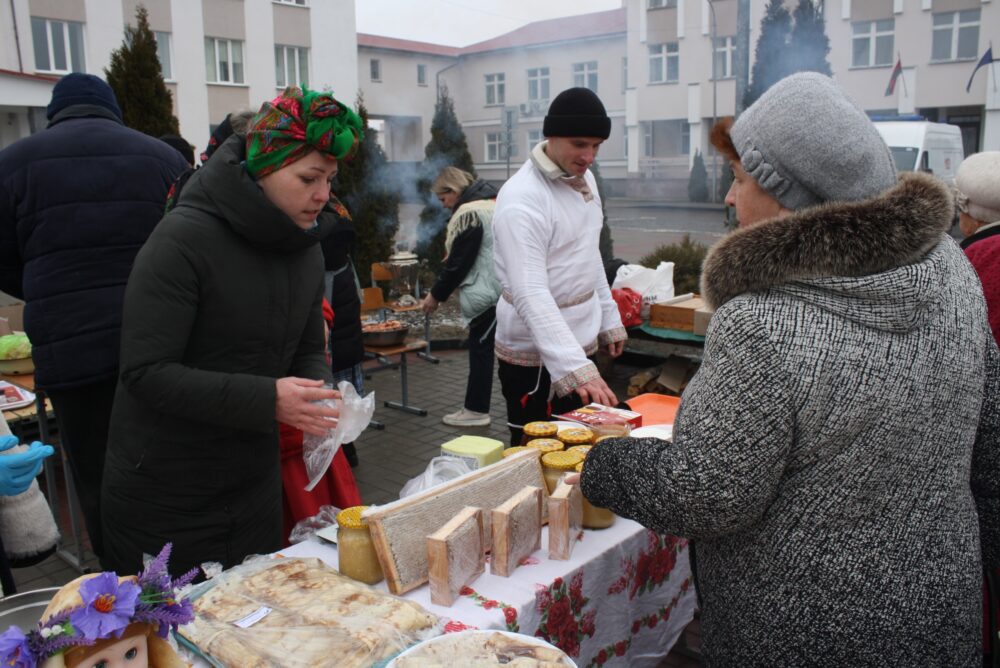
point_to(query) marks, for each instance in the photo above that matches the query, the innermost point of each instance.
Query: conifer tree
(698, 180)
(771, 54)
(447, 147)
(370, 197)
(135, 76)
(809, 42)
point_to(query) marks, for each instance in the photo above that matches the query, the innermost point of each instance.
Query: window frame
(496, 85)
(375, 70)
(661, 4)
(421, 74)
(872, 34)
(167, 71)
(954, 29)
(539, 79)
(583, 71)
(728, 51)
(532, 143)
(496, 141)
(230, 62)
(667, 51)
(301, 54)
(296, 3)
(67, 44)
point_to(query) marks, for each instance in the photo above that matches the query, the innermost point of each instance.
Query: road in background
(638, 228)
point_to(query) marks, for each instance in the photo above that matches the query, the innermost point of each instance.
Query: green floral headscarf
(295, 122)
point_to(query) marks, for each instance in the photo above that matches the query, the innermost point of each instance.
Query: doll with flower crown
(104, 621)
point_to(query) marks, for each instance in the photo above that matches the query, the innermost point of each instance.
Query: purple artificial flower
(108, 606)
(14, 649)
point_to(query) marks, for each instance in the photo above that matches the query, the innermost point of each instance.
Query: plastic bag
(655, 285)
(355, 414)
(306, 527)
(629, 306)
(441, 469)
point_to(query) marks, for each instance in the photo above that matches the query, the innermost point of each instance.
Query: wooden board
(679, 315)
(400, 529)
(456, 555)
(565, 520)
(517, 530)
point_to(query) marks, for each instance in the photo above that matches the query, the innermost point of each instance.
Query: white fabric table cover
(623, 598)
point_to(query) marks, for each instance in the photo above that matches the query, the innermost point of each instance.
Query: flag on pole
(984, 61)
(896, 72)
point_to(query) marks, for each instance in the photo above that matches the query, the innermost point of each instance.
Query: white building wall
(335, 48)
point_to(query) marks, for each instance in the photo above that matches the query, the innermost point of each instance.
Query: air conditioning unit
(525, 109)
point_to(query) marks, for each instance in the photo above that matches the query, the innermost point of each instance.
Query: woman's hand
(429, 305)
(294, 405)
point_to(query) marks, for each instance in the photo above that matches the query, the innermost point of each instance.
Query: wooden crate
(677, 315)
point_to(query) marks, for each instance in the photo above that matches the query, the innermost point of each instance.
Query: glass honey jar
(594, 517)
(558, 463)
(355, 549)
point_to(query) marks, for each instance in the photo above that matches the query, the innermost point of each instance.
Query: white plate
(527, 640)
(664, 432)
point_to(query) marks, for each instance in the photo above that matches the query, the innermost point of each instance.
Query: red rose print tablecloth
(622, 600)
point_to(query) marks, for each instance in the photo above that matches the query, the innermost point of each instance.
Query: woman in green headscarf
(222, 337)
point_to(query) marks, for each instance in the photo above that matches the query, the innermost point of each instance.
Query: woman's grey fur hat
(805, 142)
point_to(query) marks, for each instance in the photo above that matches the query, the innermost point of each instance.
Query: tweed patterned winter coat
(831, 454)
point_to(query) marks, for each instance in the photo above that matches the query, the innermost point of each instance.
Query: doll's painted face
(125, 653)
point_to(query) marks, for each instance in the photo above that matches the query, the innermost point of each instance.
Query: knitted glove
(18, 469)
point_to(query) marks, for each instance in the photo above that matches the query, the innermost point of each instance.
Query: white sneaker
(467, 418)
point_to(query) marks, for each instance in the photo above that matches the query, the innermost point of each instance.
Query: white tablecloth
(622, 600)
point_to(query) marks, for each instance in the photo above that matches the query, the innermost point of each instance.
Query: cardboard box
(677, 315)
(13, 314)
(595, 415)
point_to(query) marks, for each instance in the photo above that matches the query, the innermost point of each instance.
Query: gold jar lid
(513, 451)
(582, 449)
(564, 460)
(541, 429)
(350, 518)
(576, 436)
(546, 444)
(579, 467)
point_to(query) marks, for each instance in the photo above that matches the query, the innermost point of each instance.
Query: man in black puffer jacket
(77, 201)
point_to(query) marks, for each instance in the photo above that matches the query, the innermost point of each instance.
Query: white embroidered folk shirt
(556, 307)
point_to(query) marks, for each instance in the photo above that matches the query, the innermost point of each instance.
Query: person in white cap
(978, 184)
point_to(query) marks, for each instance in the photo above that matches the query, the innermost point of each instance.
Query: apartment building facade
(217, 55)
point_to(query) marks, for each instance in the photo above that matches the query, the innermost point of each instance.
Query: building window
(722, 60)
(163, 54)
(660, 4)
(624, 74)
(873, 43)
(291, 65)
(625, 140)
(292, 2)
(538, 83)
(534, 138)
(421, 75)
(375, 69)
(224, 60)
(585, 75)
(495, 89)
(58, 45)
(664, 63)
(494, 146)
(956, 35)
(685, 138)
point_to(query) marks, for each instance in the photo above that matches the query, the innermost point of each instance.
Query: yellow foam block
(478, 451)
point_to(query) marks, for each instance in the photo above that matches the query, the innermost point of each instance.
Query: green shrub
(687, 257)
(698, 180)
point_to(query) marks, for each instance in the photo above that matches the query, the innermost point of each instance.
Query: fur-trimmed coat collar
(896, 228)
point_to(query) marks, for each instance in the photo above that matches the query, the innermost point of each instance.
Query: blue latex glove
(8, 442)
(19, 469)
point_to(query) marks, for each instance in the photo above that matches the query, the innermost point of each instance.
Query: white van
(919, 145)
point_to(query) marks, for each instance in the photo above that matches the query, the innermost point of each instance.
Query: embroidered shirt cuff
(575, 379)
(612, 335)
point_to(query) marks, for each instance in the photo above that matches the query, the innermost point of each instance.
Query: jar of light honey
(594, 517)
(355, 549)
(558, 463)
(576, 436)
(516, 449)
(545, 445)
(582, 449)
